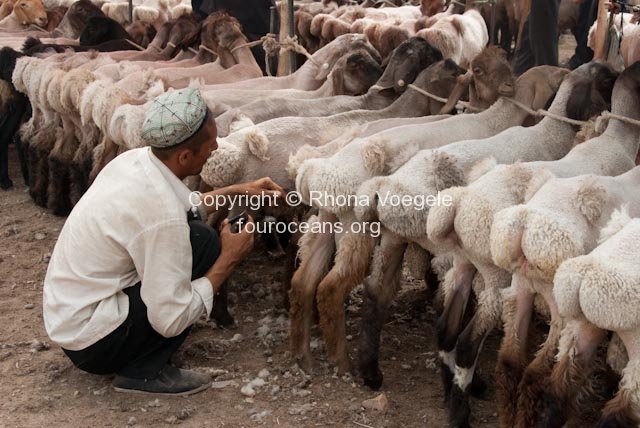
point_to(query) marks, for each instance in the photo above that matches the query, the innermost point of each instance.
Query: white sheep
(601, 290)
(459, 37)
(428, 173)
(464, 225)
(562, 220)
(340, 175)
(276, 139)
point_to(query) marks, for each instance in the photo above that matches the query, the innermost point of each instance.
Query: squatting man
(135, 266)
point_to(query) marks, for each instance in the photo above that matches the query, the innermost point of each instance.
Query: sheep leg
(449, 323)
(535, 376)
(569, 379)
(468, 349)
(380, 289)
(623, 410)
(319, 248)
(291, 258)
(517, 312)
(432, 283)
(350, 268)
(108, 152)
(59, 168)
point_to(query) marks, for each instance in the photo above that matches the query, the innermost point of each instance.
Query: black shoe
(170, 381)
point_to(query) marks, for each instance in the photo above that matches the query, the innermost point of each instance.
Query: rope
(545, 113)
(206, 49)
(387, 2)
(157, 49)
(135, 45)
(461, 104)
(192, 50)
(171, 45)
(271, 46)
(608, 115)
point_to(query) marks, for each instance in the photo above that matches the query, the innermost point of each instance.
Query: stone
(154, 403)
(248, 390)
(236, 338)
(39, 236)
(29, 306)
(223, 384)
(259, 416)
(300, 409)
(264, 374)
(263, 330)
(132, 421)
(257, 382)
(379, 403)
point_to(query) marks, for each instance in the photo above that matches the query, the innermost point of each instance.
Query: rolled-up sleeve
(163, 259)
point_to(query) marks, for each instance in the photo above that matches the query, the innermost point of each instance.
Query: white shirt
(130, 226)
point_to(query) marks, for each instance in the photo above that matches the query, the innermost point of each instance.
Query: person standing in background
(586, 17)
(539, 44)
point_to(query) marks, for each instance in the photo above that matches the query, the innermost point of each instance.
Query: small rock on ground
(379, 403)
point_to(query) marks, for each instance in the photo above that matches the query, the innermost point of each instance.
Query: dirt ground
(40, 387)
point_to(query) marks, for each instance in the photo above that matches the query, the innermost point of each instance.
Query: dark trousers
(539, 44)
(587, 15)
(135, 349)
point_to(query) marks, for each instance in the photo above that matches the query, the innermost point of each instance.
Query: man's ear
(184, 156)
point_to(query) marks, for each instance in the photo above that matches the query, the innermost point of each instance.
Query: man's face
(196, 160)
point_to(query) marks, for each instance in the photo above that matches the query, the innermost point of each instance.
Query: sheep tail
(440, 222)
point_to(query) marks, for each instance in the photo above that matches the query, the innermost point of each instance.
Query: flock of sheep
(534, 175)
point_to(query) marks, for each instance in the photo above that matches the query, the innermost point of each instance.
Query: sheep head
(441, 79)
(355, 73)
(592, 86)
(492, 77)
(30, 12)
(329, 55)
(221, 30)
(224, 166)
(141, 32)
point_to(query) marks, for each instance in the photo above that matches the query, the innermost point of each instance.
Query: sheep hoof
(223, 320)
(304, 361)
(478, 387)
(6, 184)
(459, 409)
(372, 377)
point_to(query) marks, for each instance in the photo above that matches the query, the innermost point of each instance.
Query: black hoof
(372, 376)
(459, 410)
(223, 318)
(447, 380)
(478, 387)
(6, 184)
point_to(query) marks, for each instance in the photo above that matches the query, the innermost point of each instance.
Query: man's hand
(235, 247)
(263, 186)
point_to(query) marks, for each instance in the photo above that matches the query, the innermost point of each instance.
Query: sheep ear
(446, 171)
(591, 199)
(326, 68)
(618, 220)
(374, 156)
(462, 84)
(536, 182)
(337, 76)
(258, 144)
(480, 168)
